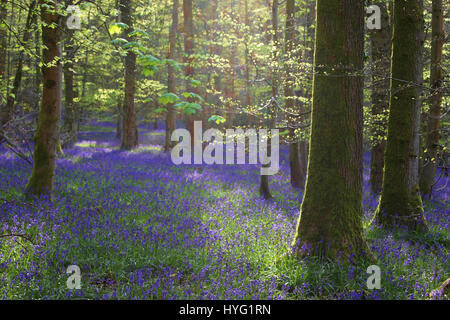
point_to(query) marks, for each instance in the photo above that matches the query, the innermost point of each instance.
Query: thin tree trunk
(188, 59)
(264, 188)
(171, 119)
(432, 135)
(69, 118)
(330, 221)
(400, 202)
(47, 134)
(297, 178)
(11, 99)
(130, 131)
(248, 94)
(3, 41)
(381, 61)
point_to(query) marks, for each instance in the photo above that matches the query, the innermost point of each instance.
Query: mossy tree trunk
(130, 130)
(433, 124)
(400, 203)
(381, 61)
(170, 118)
(47, 134)
(330, 221)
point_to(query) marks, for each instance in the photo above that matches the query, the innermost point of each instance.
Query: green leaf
(192, 95)
(117, 27)
(217, 119)
(195, 83)
(119, 41)
(167, 98)
(159, 110)
(148, 60)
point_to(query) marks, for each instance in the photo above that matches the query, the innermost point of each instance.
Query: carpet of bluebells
(140, 227)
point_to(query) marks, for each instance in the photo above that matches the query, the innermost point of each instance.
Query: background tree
(400, 202)
(171, 85)
(130, 138)
(381, 58)
(434, 116)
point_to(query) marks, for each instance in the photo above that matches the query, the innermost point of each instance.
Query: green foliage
(217, 119)
(168, 98)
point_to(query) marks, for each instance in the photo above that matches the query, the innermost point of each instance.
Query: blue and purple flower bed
(140, 227)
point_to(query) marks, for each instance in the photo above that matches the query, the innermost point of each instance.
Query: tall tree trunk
(381, 62)
(69, 118)
(130, 138)
(217, 51)
(11, 99)
(230, 93)
(171, 119)
(188, 59)
(432, 136)
(3, 42)
(264, 188)
(297, 178)
(37, 69)
(47, 134)
(400, 202)
(248, 94)
(330, 221)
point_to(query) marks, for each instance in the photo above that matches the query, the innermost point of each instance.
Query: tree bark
(264, 188)
(400, 203)
(69, 118)
(130, 138)
(436, 76)
(171, 119)
(330, 221)
(188, 59)
(11, 99)
(381, 62)
(297, 177)
(3, 42)
(248, 94)
(47, 134)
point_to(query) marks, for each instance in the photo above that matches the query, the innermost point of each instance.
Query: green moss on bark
(330, 221)
(400, 202)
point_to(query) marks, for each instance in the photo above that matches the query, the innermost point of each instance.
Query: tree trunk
(188, 59)
(69, 118)
(297, 178)
(11, 99)
(381, 62)
(171, 119)
(264, 188)
(3, 42)
(248, 94)
(130, 138)
(432, 135)
(119, 123)
(400, 202)
(330, 221)
(47, 134)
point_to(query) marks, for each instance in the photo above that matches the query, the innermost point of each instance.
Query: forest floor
(140, 227)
